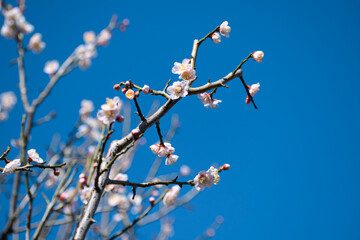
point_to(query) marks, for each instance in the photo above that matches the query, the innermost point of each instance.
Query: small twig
(159, 133)
(139, 110)
(149, 184)
(140, 217)
(247, 91)
(242, 62)
(27, 167)
(116, 156)
(45, 119)
(167, 85)
(3, 156)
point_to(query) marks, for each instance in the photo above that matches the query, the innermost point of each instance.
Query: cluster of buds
(128, 91)
(123, 25)
(7, 102)
(163, 150)
(82, 180)
(224, 30)
(15, 23)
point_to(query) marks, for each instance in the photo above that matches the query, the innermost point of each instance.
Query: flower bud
(116, 87)
(124, 90)
(95, 165)
(82, 175)
(146, 89)
(56, 172)
(152, 200)
(225, 166)
(135, 133)
(130, 94)
(128, 83)
(137, 94)
(120, 118)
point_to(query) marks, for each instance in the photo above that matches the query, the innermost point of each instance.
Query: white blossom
(85, 195)
(178, 90)
(34, 156)
(225, 29)
(254, 89)
(36, 44)
(184, 70)
(207, 100)
(104, 37)
(258, 56)
(110, 110)
(89, 36)
(171, 159)
(215, 37)
(11, 166)
(87, 107)
(146, 89)
(171, 196)
(206, 179)
(8, 100)
(51, 67)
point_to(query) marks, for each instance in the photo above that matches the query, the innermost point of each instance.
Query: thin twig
(247, 91)
(159, 133)
(149, 184)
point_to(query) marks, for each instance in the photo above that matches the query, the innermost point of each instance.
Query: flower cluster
(11, 166)
(15, 23)
(208, 101)
(110, 110)
(224, 30)
(7, 102)
(85, 53)
(165, 150)
(171, 196)
(184, 70)
(206, 178)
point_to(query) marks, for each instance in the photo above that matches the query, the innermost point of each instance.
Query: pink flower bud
(130, 94)
(116, 87)
(82, 180)
(56, 172)
(135, 132)
(126, 21)
(137, 94)
(82, 175)
(155, 193)
(128, 83)
(124, 90)
(95, 165)
(120, 118)
(151, 200)
(146, 89)
(225, 166)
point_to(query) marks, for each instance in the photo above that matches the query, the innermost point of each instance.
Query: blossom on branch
(89, 36)
(171, 196)
(146, 89)
(7, 100)
(184, 70)
(225, 29)
(11, 166)
(34, 156)
(104, 37)
(110, 110)
(215, 37)
(253, 89)
(51, 67)
(85, 53)
(36, 44)
(85, 195)
(258, 56)
(165, 150)
(178, 90)
(206, 179)
(14, 23)
(87, 107)
(207, 100)
(171, 159)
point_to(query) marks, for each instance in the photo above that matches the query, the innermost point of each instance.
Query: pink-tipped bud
(130, 94)
(120, 118)
(152, 200)
(95, 165)
(116, 87)
(124, 90)
(135, 132)
(137, 94)
(82, 180)
(126, 21)
(247, 100)
(128, 83)
(146, 89)
(225, 166)
(82, 175)
(63, 196)
(56, 172)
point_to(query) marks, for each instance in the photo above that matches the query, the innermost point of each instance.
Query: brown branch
(247, 91)
(3, 156)
(149, 184)
(159, 133)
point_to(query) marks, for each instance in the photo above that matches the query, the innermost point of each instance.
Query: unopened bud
(155, 193)
(152, 200)
(137, 94)
(95, 165)
(124, 90)
(146, 89)
(82, 180)
(128, 83)
(247, 101)
(82, 175)
(120, 118)
(116, 87)
(56, 172)
(135, 132)
(225, 166)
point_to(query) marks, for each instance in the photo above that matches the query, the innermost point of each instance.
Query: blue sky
(294, 161)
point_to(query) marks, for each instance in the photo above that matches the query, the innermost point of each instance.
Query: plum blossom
(14, 23)
(130, 94)
(207, 100)
(206, 179)
(87, 107)
(89, 36)
(171, 196)
(36, 44)
(253, 89)
(8, 100)
(225, 29)
(171, 159)
(258, 56)
(85, 53)
(185, 170)
(34, 156)
(104, 37)
(184, 70)
(178, 90)
(162, 150)
(215, 37)
(11, 166)
(51, 67)
(85, 195)
(146, 89)
(110, 110)
(7, 31)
